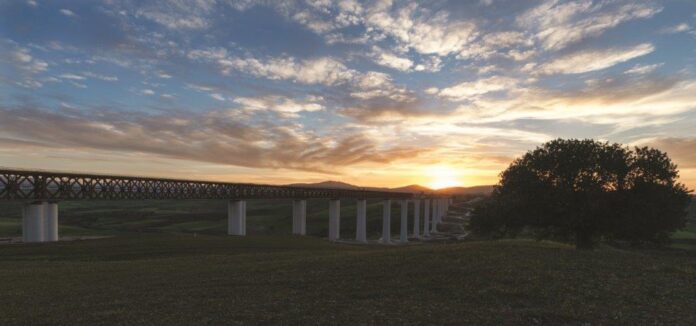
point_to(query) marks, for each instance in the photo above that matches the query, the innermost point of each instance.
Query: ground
(265, 217)
(171, 263)
(182, 279)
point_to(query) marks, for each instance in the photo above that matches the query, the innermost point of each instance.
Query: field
(171, 263)
(182, 279)
(686, 239)
(265, 217)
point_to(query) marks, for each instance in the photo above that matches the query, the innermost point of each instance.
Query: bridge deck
(57, 186)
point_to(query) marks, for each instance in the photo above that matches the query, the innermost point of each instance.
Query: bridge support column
(361, 223)
(426, 217)
(386, 222)
(33, 222)
(436, 214)
(236, 217)
(51, 222)
(299, 217)
(416, 218)
(334, 219)
(403, 235)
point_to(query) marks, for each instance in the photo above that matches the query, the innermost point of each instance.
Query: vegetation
(265, 217)
(182, 279)
(582, 190)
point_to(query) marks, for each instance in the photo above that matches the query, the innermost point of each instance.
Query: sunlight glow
(442, 176)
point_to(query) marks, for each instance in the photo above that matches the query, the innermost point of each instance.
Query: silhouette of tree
(584, 190)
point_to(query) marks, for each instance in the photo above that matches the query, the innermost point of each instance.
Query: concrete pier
(436, 214)
(33, 222)
(426, 217)
(299, 217)
(236, 217)
(334, 219)
(50, 222)
(416, 218)
(403, 235)
(386, 222)
(361, 221)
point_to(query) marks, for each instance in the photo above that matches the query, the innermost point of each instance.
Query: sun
(442, 176)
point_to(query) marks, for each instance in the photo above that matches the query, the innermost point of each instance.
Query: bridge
(41, 191)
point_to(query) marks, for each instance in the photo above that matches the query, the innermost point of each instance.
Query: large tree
(584, 190)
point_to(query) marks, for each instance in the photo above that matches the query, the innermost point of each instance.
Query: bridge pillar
(236, 217)
(403, 235)
(51, 222)
(386, 222)
(299, 217)
(334, 219)
(426, 217)
(33, 222)
(361, 227)
(416, 218)
(436, 214)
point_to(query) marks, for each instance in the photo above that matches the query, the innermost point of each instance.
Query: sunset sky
(376, 93)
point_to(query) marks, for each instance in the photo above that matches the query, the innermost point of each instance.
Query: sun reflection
(442, 176)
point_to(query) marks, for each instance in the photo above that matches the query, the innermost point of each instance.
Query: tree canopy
(585, 190)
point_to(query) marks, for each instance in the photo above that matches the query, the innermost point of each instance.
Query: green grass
(182, 279)
(265, 217)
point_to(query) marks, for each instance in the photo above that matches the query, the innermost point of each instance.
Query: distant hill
(484, 190)
(412, 188)
(326, 184)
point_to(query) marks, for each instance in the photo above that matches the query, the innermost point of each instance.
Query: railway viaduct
(41, 191)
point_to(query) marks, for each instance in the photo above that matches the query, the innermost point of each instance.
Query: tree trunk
(583, 240)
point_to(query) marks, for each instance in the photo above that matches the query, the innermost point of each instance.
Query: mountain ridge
(415, 188)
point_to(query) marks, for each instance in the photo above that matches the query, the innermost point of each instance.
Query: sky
(376, 93)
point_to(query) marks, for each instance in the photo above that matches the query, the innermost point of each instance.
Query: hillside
(326, 184)
(475, 190)
(182, 279)
(482, 190)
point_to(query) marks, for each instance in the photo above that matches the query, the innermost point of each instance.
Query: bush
(584, 190)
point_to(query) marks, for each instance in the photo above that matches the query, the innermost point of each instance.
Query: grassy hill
(182, 279)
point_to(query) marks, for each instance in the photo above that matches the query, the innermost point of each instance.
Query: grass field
(265, 217)
(182, 279)
(171, 263)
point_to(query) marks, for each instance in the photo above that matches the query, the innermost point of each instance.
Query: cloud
(218, 96)
(72, 77)
(26, 62)
(25, 66)
(325, 71)
(641, 69)
(592, 60)
(627, 103)
(99, 76)
(679, 28)
(148, 92)
(390, 59)
(558, 24)
(372, 84)
(214, 137)
(68, 12)
(178, 14)
(284, 105)
(420, 29)
(510, 44)
(469, 90)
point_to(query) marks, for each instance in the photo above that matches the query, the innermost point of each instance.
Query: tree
(584, 190)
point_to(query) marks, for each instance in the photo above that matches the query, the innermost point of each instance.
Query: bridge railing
(57, 186)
